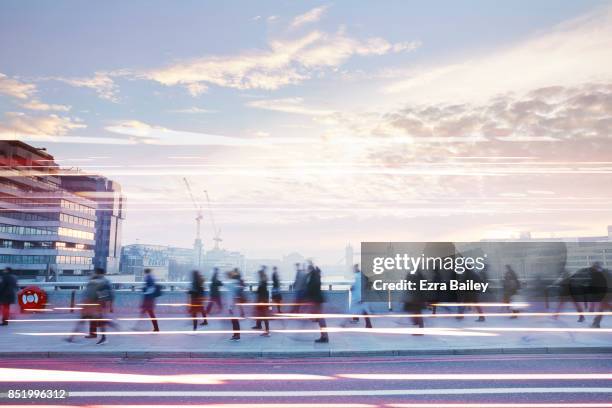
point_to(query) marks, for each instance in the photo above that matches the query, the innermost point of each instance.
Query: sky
(316, 124)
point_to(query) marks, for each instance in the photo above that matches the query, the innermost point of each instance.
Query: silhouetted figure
(150, 291)
(299, 287)
(314, 295)
(215, 292)
(598, 292)
(567, 293)
(234, 297)
(263, 296)
(358, 306)
(196, 299)
(511, 287)
(276, 289)
(472, 296)
(105, 296)
(91, 309)
(415, 301)
(8, 293)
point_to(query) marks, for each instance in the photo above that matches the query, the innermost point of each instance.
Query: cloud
(101, 82)
(39, 106)
(311, 16)
(15, 88)
(193, 109)
(158, 135)
(285, 62)
(543, 114)
(18, 123)
(572, 53)
(288, 105)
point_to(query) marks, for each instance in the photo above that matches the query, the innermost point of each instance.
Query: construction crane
(197, 244)
(216, 231)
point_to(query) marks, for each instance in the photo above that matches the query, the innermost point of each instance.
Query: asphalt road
(462, 381)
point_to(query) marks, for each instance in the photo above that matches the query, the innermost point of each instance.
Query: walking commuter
(8, 293)
(105, 297)
(151, 291)
(471, 297)
(415, 301)
(599, 292)
(511, 287)
(299, 287)
(567, 293)
(215, 292)
(196, 299)
(314, 295)
(91, 309)
(234, 297)
(277, 297)
(261, 309)
(357, 306)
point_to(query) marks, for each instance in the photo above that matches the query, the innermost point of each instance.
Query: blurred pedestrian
(299, 287)
(567, 294)
(91, 308)
(314, 295)
(415, 301)
(599, 292)
(261, 309)
(105, 297)
(511, 286)
(196, 299)
(8, 293)
(215, 292)
(234, 297)
(357, 305)
(277, 297)
(150, 292)
(472, 297)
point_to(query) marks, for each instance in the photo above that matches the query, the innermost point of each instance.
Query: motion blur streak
(525, 314)
(484, 376)
(485, 405)
(302, 405)
(35, 375)
(339, 330)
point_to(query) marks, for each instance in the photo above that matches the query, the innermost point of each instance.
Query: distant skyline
(315, 124)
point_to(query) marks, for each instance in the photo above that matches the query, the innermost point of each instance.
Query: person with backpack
(90, 311)
(151, 291)
(196, 299)
(105, 296)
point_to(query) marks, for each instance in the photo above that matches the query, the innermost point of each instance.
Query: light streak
(477, 377)
(39, 375)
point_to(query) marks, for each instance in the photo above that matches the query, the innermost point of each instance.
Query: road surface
(459, 381)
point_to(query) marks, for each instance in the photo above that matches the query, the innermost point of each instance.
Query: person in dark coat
(277, 298)
(415, 301)
(314, 295)
(196, 299)
(149, 293)
(263, 296)
(598, 292)
(8, 293)
(511, 287)
(215, 292)
(567, 293)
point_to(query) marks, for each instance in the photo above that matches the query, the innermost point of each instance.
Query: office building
(46, 231)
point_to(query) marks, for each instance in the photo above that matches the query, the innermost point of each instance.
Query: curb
(304, 354)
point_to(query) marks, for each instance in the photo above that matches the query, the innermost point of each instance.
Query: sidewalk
(391, 336)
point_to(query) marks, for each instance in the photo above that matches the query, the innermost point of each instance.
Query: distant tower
(348, 259)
